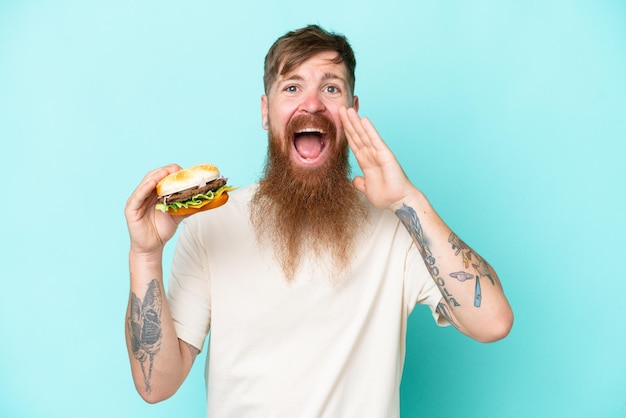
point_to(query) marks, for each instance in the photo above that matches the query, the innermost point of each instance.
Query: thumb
(359, 183)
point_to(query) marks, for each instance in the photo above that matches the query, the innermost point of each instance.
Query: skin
(158, 376)
(307, 100)
(386, 186)
(318, 85)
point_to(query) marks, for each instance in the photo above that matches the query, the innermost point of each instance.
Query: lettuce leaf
(196, 200)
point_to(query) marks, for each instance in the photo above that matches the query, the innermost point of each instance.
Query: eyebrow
(327, 76)
(332, 76)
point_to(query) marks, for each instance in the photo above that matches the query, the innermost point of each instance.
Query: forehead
(323, 63)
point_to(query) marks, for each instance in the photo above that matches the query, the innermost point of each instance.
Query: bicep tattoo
(408, 217)
(442, 308)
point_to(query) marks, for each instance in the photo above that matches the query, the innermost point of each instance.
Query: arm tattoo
(463, 276)
(470, 258)
(443, 310)
(409, 219)
(144, 324)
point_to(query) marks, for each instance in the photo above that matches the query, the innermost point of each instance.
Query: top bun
(196, 176)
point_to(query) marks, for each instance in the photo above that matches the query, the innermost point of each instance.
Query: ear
(264, 112)
(355, 103)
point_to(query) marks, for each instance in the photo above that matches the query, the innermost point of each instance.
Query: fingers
(156, 175)
(360, 132)
(351, 123)
(146, 191)
(359, 183)
(151, 179)
(372, 133)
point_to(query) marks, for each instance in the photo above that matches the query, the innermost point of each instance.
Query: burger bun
(187, 178)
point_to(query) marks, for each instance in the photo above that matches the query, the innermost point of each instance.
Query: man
(306, 279)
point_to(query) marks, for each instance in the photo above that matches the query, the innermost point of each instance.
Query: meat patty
(187, 194)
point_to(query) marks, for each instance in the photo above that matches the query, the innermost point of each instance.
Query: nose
(312, 103)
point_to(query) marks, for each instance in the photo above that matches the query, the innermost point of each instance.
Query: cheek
(333, 113)
(278, 138)
(338, 125)
(278, 120)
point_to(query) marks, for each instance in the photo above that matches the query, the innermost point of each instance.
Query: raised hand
(149, 229)
(384, 183)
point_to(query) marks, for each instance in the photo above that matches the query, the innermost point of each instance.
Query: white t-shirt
(309, 348)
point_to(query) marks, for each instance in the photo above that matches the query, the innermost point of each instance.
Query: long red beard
(308, 211)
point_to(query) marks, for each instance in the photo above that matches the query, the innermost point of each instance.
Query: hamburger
(192, 190)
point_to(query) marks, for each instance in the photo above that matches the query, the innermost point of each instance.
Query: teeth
(310, 130)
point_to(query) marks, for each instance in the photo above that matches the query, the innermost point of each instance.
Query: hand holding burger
(192, 190)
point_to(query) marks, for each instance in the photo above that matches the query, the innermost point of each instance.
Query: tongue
(308, 146)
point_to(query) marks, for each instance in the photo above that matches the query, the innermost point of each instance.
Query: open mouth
(309, 143)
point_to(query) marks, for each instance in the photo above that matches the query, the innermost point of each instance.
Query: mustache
(318, 121)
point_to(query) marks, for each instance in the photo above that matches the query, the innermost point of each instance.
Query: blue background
(510, 116)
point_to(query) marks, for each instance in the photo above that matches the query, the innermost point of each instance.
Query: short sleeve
(189, 291)
(419, 286)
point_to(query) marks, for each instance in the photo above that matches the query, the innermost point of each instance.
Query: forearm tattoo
(144, 325)
(410, 220)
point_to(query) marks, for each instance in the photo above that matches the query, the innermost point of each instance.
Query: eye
(332, 89)
(291, 89)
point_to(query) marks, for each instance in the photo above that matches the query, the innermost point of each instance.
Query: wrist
(414, 198)
(145, 257)
(144, 268)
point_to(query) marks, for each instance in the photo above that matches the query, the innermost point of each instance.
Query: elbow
(498, 329)
(150, 398)
(153, 395)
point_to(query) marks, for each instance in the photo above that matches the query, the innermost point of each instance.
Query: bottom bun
(215, 203)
